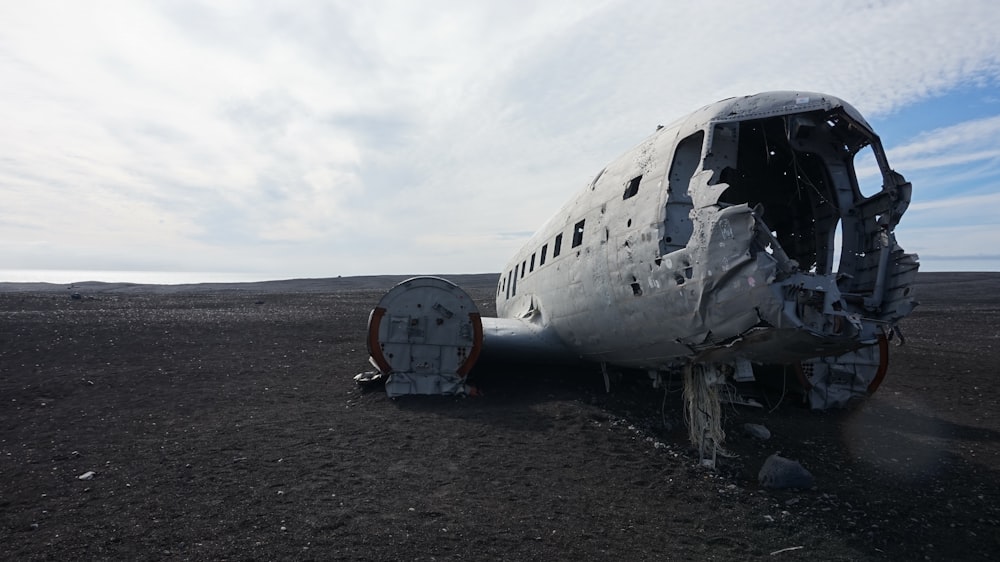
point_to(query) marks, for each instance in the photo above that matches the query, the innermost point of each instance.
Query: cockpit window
(632, 187)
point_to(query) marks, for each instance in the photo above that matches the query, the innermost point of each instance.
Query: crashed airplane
(735, 244)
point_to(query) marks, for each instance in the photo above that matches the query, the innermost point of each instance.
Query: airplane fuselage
(741, 239)
(715, 240)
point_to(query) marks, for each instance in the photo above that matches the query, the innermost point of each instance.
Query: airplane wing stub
(517, 340)
(424, 336)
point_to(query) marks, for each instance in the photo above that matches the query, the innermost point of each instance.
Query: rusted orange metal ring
(374, 348)
(883, 363)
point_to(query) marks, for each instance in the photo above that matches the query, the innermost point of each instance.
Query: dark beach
(221, 422)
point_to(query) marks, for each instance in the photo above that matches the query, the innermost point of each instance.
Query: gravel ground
(222, 422)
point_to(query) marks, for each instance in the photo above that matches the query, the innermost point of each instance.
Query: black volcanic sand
(222, 422)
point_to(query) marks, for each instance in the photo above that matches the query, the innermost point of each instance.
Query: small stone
(757, 431)
(89, 475)
(779, 472)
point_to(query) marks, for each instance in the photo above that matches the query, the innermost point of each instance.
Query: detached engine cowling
(424, 336)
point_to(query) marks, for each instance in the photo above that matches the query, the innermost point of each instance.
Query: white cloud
(952, 242)
(968, 137)
(346, 137)
(963, 212)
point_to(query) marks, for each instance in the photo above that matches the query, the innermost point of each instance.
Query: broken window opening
(866, 171)
(578, 233)
(677, 221)
(541, 258)
(557, 245)
(783, 172)
(632, 187)
(532, 263)
(838, 244)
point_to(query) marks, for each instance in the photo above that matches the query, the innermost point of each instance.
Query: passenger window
(541, 258)
(557, 245)
(532, 262)
(523, 268)
(513, 287)
(578, 234)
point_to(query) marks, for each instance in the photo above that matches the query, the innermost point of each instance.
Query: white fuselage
(698, 245)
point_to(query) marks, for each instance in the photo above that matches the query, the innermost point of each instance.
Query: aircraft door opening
(677, 221)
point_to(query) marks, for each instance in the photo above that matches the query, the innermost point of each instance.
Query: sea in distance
(68, 276)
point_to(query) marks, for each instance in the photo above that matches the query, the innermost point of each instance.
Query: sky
(271, 140)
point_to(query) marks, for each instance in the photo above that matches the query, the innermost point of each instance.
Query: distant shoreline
(352, 283)
(331, 284)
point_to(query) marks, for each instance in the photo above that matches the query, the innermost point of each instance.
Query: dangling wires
(703, 411)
